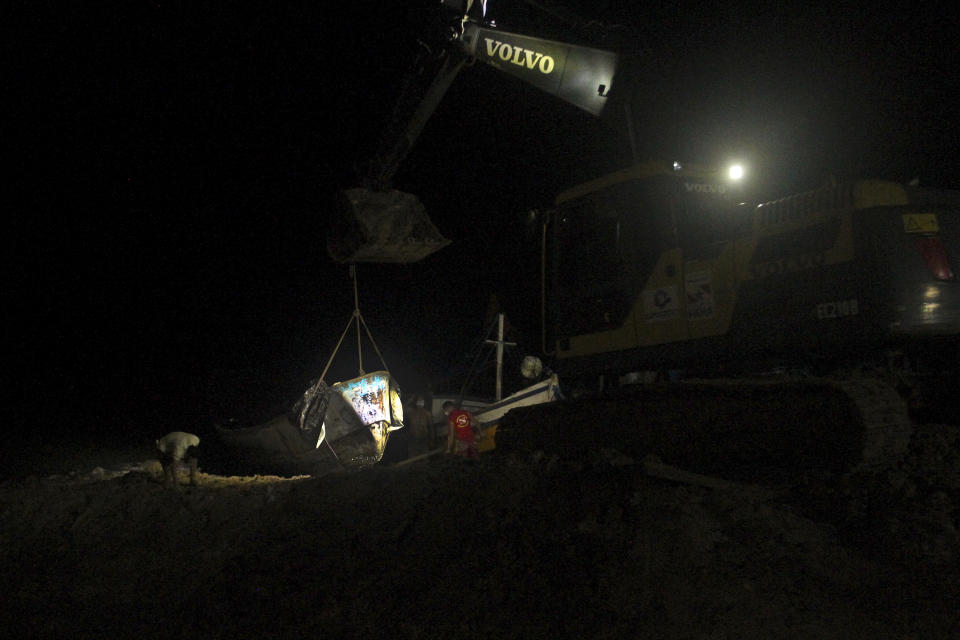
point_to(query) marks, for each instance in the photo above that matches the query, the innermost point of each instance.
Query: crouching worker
(174, 448)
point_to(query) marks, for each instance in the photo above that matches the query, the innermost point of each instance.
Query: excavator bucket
(382, 226)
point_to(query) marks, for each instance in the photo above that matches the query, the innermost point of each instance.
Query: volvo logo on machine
(519, 56)
(702, 187)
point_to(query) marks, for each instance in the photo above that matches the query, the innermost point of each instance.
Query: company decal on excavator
(699, 290)
(581, 76)
(519, 56)
(920, 223)
(789, 264)
(660, 305)
(703, 187)
(796, 250)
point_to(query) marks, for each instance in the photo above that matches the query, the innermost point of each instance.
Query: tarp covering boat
(347, 423)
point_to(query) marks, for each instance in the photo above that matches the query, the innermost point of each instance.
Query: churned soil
(509, 546)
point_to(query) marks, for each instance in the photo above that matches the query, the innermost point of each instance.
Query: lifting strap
(356, 317)
(360, 322)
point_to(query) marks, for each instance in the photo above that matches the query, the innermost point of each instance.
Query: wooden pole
(500, 345)
(499, 357)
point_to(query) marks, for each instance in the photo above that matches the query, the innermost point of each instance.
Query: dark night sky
(176, 162)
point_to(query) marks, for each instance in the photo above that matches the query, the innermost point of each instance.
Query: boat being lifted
(346, 424)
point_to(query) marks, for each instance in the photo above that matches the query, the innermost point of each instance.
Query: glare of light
(676, 165)
(930, 307)
(531, 367)
(323, 434)
(736, 172)
(396, 407)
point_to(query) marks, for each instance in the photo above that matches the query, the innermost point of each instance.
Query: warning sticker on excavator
(920, 223)
(699, 289)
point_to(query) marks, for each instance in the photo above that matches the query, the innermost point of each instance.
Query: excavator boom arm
(386, 164)
(381, 225)
(581, 76)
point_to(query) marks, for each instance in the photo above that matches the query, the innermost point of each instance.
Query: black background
(172, 166)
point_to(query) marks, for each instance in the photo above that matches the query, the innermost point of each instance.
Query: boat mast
(500, 344)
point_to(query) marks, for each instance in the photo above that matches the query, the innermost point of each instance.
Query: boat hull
(358, 416)
(547, 390)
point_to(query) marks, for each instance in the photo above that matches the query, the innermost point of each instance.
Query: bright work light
(736, 172)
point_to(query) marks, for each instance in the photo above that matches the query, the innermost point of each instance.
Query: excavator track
(766, 430)
(886, 420)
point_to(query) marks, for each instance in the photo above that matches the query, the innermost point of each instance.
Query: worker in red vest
(461, 431)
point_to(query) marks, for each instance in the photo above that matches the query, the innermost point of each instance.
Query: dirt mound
(504, 547)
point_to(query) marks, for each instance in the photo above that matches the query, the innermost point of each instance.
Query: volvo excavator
(757, 341)
(809, 332)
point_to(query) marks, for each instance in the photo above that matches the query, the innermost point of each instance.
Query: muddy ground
(510, 546)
